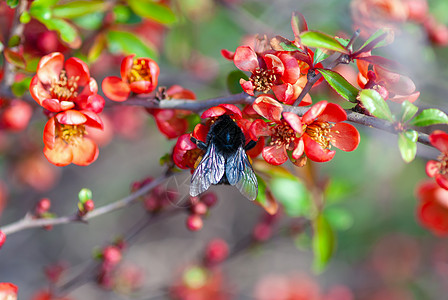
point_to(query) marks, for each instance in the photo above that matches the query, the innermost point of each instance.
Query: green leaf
(339, 218)
(233, 81)
(25, 17)
(14, 58)
(408, 111)
(12, 3)
(375, 104)
(340, 84)
(40, 12)
(14, 41)
(407, 143)
(324, 242)
(319, 56)
(92, 21)
(381, 43)
(122, 13)
(265, 198)
(321, 40)
(99, 44)
(19, 88)
(128, 43)
(84, 195)
(153, 10)
(76, 9)
(430, 116)
(292, 194)
(66, 31)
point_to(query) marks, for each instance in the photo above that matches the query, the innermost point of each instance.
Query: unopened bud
(209, 199)
(89, 205)
(42, 206)
(217, 251)
(111, 255)
(194, 222)
(199, 208)
(84, 195)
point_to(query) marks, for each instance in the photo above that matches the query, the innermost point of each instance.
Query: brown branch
(29, 222)
(16, 30)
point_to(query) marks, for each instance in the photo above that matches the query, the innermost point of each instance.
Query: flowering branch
(29, 222)
(241, 98)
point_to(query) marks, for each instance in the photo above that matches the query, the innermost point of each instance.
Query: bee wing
(239, 173)
(209, 171)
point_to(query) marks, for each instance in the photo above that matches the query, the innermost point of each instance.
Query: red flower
(59, 87)
(285, 136)
(186, 153)
(8, 291)
(432, 210)
(320, 132)
(138, 75)
(276, 71)
(439, 169)
(65, 140)
(172, 122)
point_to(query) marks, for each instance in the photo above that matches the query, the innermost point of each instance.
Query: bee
(225, 160)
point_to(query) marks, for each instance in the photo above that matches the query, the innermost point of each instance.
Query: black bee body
(225, 160)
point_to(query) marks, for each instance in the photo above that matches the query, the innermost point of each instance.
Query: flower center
(320, 132)
(283, 134)
(140, 71)
(443, 163)
(64, 88)
(71, 133)
(263, 80)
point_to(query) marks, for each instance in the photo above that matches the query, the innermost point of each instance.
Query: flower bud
(42, 206)
(111, 255)
(209, 199)
(217, 251)
(194, 222)
(262, 232)
(84, 195)
(199, 208)
(89, 205)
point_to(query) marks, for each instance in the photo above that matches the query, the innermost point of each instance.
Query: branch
(16, 30)
(29, 222)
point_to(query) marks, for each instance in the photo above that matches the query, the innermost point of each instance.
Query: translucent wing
(239, 173)
(209, 171)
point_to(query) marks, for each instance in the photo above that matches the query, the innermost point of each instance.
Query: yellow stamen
(70, 133)
(140, 71)
(263, 80)
(320, 132)
(64, 88)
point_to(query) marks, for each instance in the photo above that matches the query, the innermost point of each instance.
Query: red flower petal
(255, 151)
(314, 112)
(126, 66)
(142, 87)
(268, 107)
(434, 216)
(54, 105)
(8, 290)
(259, 128)
(93, 120)
(333, 113)
(183, 145)
(90, 89)
(37, 91)
(227, 54)
(154, 70)
(298, 150)
(344, 136)
(50, 66)
(71, 117)
(292, 69)
(442, 181)
(245, 59)
(169, 124)
(306, 100)
(115, 89)
(315, 152)
(85, 152)
(200, 132)
(247, 86)
(432, 168)
(275, 155)
(60, 155)
(76, 67)
(439, 139)
(178, 92)
(284, 93)
(232, 110)
(274, 63)
(294, 121)
(214, 111)
(401, 98)
(50, 133)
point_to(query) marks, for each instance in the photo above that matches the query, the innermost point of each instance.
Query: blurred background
(381, 250)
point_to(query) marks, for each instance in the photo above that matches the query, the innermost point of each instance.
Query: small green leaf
(99, 44)
(408, 111)
(122, 13)
(92, 21)
(298, 23)
(319, 56)
(430, 116)
(12, 3)
(84, 195)
(128, 43)
(340, 84)
(153, 10)
(383, 33)
(14, 41)
(321, 40)
(344, 42)
(19, 88)
(25, 17)
(40, 12)
(292, 194)
(233, 81)
(339, 218)
(324, 242)
(76, 9)
(66, 31)
(407, 143)
(375, 104)
(14, 58)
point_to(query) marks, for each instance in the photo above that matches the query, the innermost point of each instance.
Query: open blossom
(432, 210)
(59, 86)
(138, 75)
(65, 141)
(322, 128)
(172, 122)
(8, 291)
(439, 169)
(276, 71)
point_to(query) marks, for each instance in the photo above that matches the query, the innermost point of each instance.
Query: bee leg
(201, 145)
(250, 145)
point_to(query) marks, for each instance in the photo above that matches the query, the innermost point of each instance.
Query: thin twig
(28, 222)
